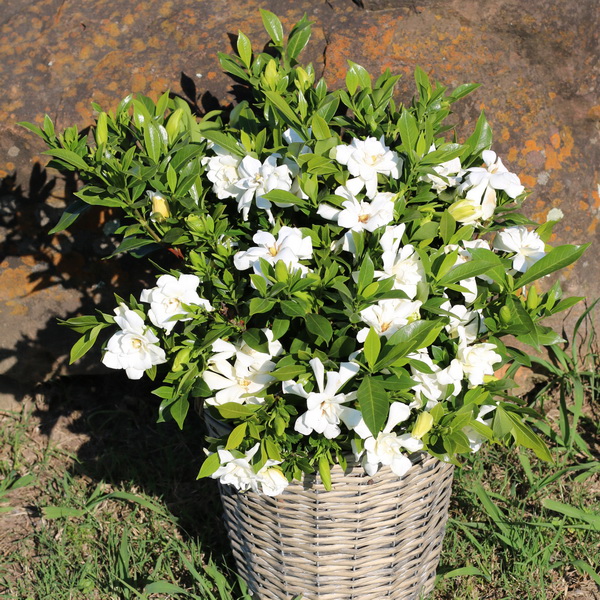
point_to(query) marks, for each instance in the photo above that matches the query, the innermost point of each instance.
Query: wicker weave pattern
(367, 539)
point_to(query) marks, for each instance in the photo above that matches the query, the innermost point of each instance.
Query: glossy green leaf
(244, 48)
(319, 326)
(69, 157)
(236, 437)
(556, 259)
(273, 26)
(374, 404)
(209, 466)
(372, 348)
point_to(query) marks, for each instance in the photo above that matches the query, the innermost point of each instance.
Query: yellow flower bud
(423, 424)
(160, 207)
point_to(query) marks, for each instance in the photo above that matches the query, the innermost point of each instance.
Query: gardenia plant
(347, 270)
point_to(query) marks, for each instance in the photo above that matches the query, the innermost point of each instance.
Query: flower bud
(101, 129)
(271, 76)
(423, 424)
(505, 315)
(160, 207)
(533, 298)
(465, 211)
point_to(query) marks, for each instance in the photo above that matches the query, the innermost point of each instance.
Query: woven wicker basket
(368, 538)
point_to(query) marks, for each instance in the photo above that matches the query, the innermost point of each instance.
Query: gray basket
(368, 538)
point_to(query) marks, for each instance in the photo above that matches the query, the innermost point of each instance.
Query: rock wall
(538, 63)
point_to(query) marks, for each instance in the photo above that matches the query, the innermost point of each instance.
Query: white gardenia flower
(465, 324)
(365, 159)
(239, 383)
(237, 472)
(270, 480)
(435, 386)
(290, 247)
(244, 354)
(326, 408)
(406, 268)
(527, 246)
(449, 174)
(387, 448)
(387, 316)
(222, 171)
(493, 174)
(359, 216)
(477, 361)
(134, 348)
(475, 438)
(257, 179)
(168, 298)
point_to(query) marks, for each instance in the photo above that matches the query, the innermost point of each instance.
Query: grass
(97, 502)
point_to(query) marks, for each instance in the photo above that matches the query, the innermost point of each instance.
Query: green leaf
(292, 308)
(556, 259)
(288, 115)
(361, 74)
(525, 436)
(372, 348)
(59, 512)
(230, 66)
(572, 512)
(256, 339)
(179, 410)
(279, 328)
(225, 141)
(410, 337)
(233, 410)
(482, 137)
(365, 273)
(288, 372)
(409, 130)
(297, 41)
(325, 472)
(351, 81)
(284, 197)
(209, 466)
(374, 404)
(320, 128)
(466, 270)
(152, 140)
(236, 437)
(69, 157)
(260, 305)
(273, 26)
(85, 343)
(132, 243)
(244, 48)
(447, 227)
(319, 326)
(163, 587)
(69, 216)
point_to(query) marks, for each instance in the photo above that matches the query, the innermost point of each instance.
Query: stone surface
(538, 63)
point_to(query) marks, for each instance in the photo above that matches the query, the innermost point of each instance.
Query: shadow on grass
(127, 449)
